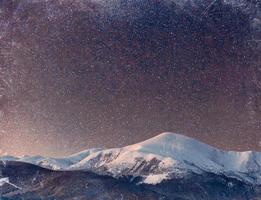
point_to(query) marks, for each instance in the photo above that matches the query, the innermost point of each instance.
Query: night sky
(82, 74)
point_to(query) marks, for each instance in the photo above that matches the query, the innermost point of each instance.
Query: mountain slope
(41, 184)
(38, 183)
(52, 163)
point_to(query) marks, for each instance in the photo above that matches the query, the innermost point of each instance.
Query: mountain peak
(169, 137)
(172, 145)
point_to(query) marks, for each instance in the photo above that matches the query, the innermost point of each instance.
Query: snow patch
(155, 179)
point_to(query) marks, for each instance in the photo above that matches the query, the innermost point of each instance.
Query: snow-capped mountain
(168, 155)
(163, 157)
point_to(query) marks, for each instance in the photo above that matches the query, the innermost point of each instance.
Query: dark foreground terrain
(39, 183)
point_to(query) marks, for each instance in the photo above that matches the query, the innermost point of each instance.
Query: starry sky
(82, 74)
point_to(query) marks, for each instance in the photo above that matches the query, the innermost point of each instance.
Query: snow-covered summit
(165, 156)
(183, 148)
(168, 144)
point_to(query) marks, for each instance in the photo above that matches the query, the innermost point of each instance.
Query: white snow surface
(159, 158)
(3, 181)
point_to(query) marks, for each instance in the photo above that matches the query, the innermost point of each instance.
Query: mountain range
(156, 165)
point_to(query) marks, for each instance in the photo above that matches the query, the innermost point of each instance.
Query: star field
(76, 75)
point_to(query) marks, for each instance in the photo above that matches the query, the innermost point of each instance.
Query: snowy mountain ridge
(165, 156)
